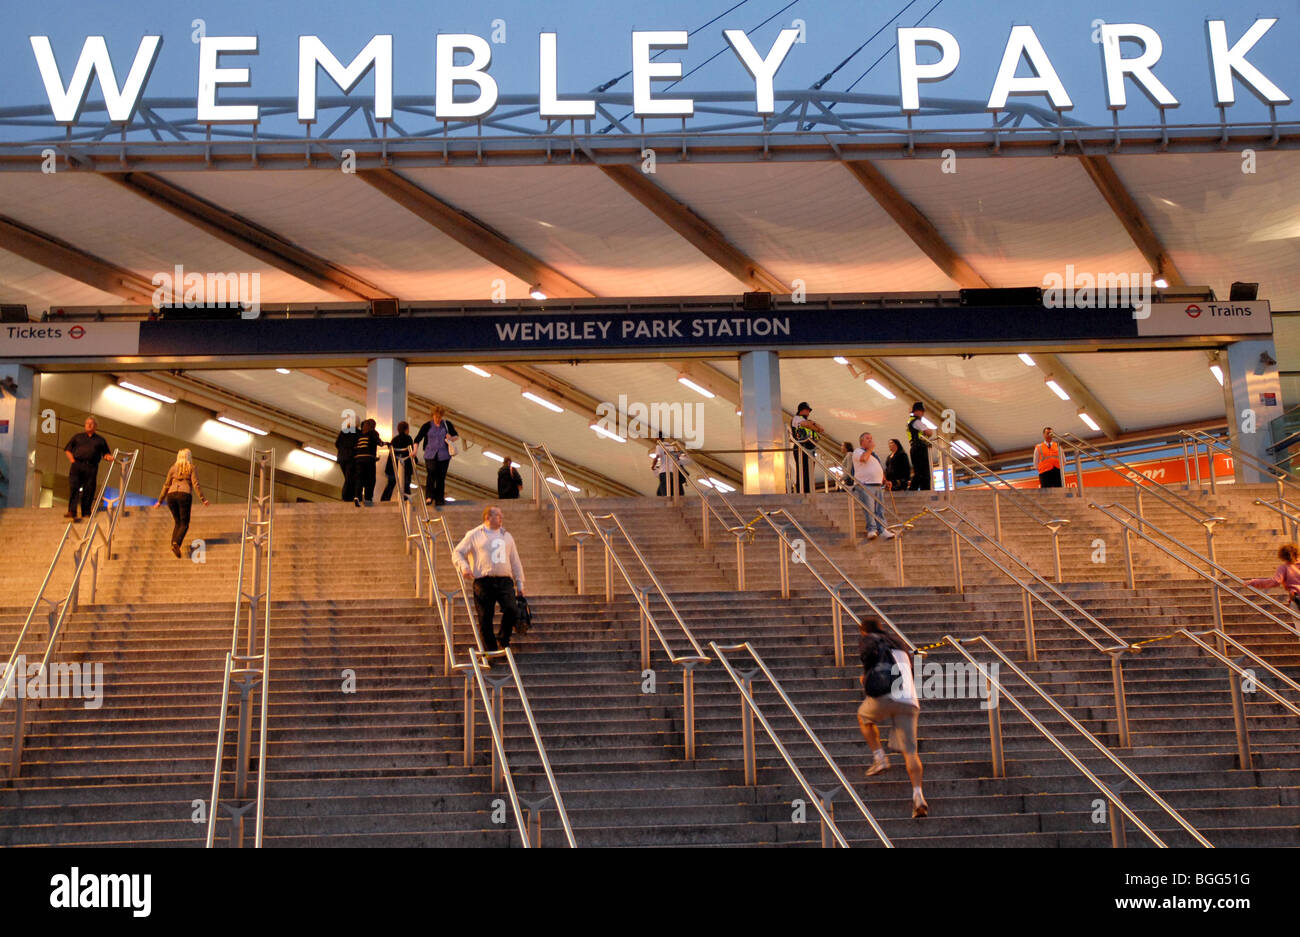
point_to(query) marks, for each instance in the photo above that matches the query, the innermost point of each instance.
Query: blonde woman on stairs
(178, 490)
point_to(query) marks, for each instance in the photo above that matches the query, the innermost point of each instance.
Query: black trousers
(489, 592)
(363, 479)
(83, 483)
(921, 478)
(346, 465)
(1050, 479)
(805, 468)
(407, 469)
(662, 491)
(180, 503)
(435, 486)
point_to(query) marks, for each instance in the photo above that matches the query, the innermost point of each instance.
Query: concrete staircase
(382, 766)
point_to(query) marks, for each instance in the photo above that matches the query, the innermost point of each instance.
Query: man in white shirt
(869, 476)
(487, 555)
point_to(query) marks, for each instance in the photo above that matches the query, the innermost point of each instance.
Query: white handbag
(453, 445)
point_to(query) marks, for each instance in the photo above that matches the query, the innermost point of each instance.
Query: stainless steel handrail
(749, 709)
(838, 605)
(253, 666)
(687, 662)
(995, 731)
(1200, 438)
(58, 612)
(493, 709)
(1217, 584)
(434, 528)
(577, 534)
(1162, 492)
(740, 530)
(1027, 598)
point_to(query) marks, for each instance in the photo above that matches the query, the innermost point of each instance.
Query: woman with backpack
(178, 490)
(891, 699)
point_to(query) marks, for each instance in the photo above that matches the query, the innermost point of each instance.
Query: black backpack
(883, 671)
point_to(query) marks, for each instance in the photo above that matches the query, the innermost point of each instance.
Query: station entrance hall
(397, 477)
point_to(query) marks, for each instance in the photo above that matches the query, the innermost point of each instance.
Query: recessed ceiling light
(1092, 424)
(541, 401)
(475, 369)
(687, 382)
(137, 389)
(1057, 389)
(1026, 359)
(283, 371)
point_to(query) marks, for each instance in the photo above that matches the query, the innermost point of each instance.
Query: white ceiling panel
(1015, 220)
(1221, 224)
(584, 225)
(99, 217)
(1148, 389)
(808, 221)
(339, 218)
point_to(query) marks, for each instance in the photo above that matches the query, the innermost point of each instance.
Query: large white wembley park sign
(1228, 63)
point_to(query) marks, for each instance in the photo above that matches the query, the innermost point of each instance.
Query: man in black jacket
(85, 451)
(344, 444)
(365, 453)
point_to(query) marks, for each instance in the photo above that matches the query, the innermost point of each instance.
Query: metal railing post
(837, 623)
(898, 554)
(740, 560)
(828, 805)
(1187, 468)
(997, 522)
(1216, 602)
(556, 511)
(785, 568)
(497, 685)
(747, 728)
(1078, 471)
(853, 520)
(1121, 699)
(582, 566)
(1128, 558)
(956, 562)
(688, 706)
(704, 523)
(1115, 819)
(1244, 759)
(995, 726)
(1209, 468)
(1196, 463)
(469, 720)
(645, 627)
(609, 564)
(1031, 639)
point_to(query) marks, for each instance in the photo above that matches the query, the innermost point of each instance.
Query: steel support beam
(1053, 367)
(690, 226)
(473, 234)
(915, 225)
(1103, 175)
(247, 237)
(69, 261)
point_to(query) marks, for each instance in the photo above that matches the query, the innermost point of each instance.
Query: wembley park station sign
(462, 63)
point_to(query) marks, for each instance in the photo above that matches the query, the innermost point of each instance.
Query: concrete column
(386, 394)
(1251, 383)
(19, 411)
(761, 425)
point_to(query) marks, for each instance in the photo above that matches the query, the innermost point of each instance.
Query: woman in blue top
(437, 458)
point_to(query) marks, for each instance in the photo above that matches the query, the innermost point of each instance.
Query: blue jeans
(873, 504)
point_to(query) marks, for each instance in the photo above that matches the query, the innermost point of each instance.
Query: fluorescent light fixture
(1160, 283)
(601, 431)
(925, 421)
(1092, 424)
(1026, 359)
(687, 382)
(535, 291)
(321, 453)
(137, 389)
(475, 369)
(283, 371)
(1058, 390)
(559, 484)
(222, 418)
(542, 401)
(881, 389)
(721, 485)
(488, 454)
(963, 446)
(1218, 373)
(840, 360)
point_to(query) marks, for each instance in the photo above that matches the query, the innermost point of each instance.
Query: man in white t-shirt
(487, 555)
(869, 477)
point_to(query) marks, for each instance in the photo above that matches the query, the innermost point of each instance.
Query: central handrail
(1217, 584)
(1163, 492)
(740, 529)
(838, 605)
(493, 709)
(253, 666)
(687, 662)
(1200, 437)
(86, 550)
(995, 728)
(578, 534)
(750, 708)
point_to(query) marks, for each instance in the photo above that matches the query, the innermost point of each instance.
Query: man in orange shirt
(1047, 461)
